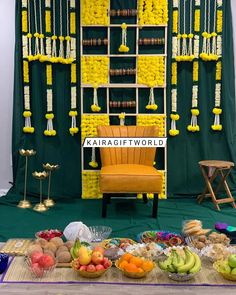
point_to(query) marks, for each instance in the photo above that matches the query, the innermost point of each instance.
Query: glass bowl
(180, 277)
(48, 234)
(100, 232)
(36, 270)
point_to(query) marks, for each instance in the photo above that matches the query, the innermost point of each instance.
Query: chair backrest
(137, 155)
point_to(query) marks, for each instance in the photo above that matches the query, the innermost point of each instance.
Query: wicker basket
(227, 276)
(133, 275)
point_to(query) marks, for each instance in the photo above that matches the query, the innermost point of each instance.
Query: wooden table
(211, 169)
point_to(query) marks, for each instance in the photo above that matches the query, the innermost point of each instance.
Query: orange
(147, 265)
(137, 261)
(123, 264)
(130, 267)
(126, 256)
(139, 269)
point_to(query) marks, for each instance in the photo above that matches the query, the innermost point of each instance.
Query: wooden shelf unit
(125, 86)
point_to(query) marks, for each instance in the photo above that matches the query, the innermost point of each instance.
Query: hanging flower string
(122, 119)
(26, 47)
(123, 47)
(217, 110)
(95, 106)
(184, 52)
(174, 116)
(193, 126)
(48, 30)
(151, 103)
(209, 49)
(93, 163)
(73, 112)
(49, 115)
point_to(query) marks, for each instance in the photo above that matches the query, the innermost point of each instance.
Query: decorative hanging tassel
(93, 163)
(95, 107)
(43, 57)
(50, 131)
(122, 119)
(28, 128)
(173, 130)
(73, 129)
(190, 47)
(194, 127)
(36, 48)
(123, 47)
(151, 103)
(61, 50)
(54, 57)
(69, 59)
(217, 126)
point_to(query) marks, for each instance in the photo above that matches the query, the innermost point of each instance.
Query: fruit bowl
(227, 276)
(96, 274)
(48, 234)
(180, 277)
(36, 270)
(100, 232)
(133, 275)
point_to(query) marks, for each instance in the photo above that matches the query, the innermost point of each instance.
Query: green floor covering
(126, 217)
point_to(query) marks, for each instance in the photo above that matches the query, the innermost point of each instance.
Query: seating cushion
(130, 178)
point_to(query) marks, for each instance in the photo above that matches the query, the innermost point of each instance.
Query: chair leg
(104, 205)
(155, 206)
(145, 199)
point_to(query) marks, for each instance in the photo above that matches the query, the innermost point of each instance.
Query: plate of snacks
(48, 234)
(121, 243)
(180, 264)
(216, 252)
(134, 267)
(149, 251)
(202, 241)
(164, 238)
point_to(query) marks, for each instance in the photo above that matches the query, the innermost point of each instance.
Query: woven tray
(16, 247)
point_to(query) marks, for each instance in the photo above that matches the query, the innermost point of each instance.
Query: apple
(46, 261)
(91, 268)
(35, 256)
(233, 271)
(99, 249)
(83, 268)
(38, 271)
(232, 260)
(97, 257)
(99, 267)
(105, 259)
(107, 264)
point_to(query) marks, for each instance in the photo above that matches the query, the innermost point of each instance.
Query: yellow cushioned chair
(129, 170)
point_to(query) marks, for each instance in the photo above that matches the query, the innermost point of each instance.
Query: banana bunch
(74, 251)
(186, 263)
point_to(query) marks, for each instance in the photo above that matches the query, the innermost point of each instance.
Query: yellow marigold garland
(94, 12)
(123, 47)
(94, 70)
(72, 23)
(197, 20)
(153, 120)
(24, 22)
(90, 185)
(152, 12)
(151, 70)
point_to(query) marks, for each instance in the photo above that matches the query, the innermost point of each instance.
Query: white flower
(174, 100)
(174, 46)
(196, 46)
(24, 3)
(73, 97)
(49, 100)
(72, 3)
(175, 3)
(197, 2)
(219, 3)
(48, 3)
(219, 45)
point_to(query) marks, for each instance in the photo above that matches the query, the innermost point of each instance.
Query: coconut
(41, 242)
(64, 256)
(57, 241)
(51, 246)
(61, 249)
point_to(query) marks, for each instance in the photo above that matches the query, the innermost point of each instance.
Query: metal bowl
(100, 232)
(180, 277)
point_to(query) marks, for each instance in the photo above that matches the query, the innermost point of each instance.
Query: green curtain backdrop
(184, 151)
